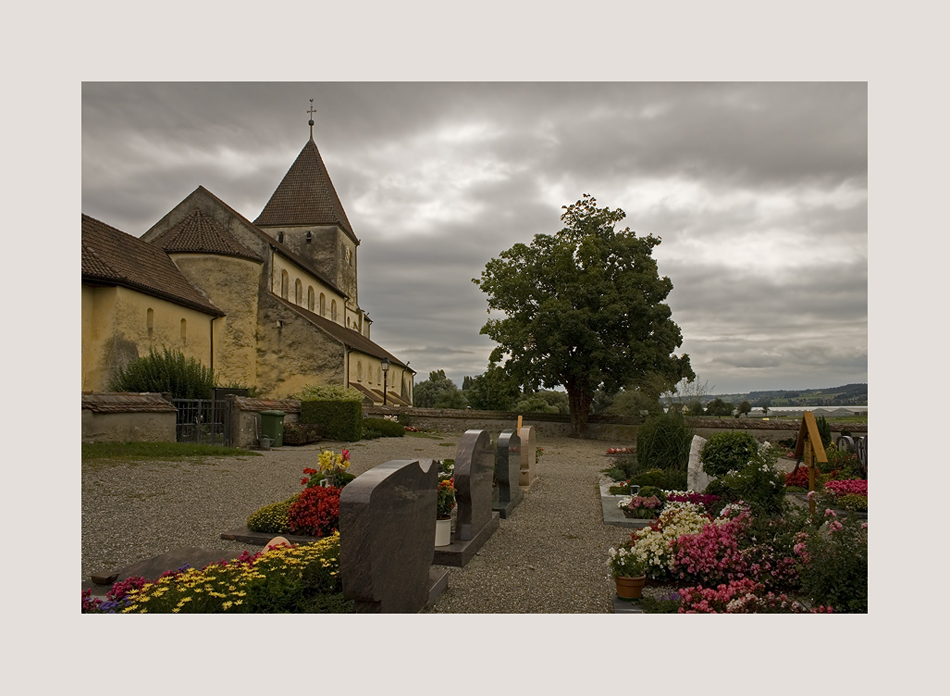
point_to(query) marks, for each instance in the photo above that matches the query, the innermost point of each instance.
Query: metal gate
(203, 421)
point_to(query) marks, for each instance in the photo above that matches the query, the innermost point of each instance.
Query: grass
(429, 436)
(126, 452)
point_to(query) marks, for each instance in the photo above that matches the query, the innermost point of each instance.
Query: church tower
(305, 214)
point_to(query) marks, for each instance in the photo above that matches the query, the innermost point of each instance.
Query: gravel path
(548, 557)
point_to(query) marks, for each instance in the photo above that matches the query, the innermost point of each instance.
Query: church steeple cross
(312, 111)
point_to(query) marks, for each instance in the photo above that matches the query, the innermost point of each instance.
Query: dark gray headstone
(474, 466)
(387, 527)
(508, 493)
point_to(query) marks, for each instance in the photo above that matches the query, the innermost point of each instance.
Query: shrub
(329, 392)
(743, 596)
(798, 478)
(302, 433)
(853, 502)
(841, 461)
(386, 428)
(824, 431)
(272, 519)
(712, 554)
(168, 371)
(834, 568)
(647, 491)
(316, 512)
(666, 479)
(728, 451)
(758, 483)
(343, 418)
(663, 442)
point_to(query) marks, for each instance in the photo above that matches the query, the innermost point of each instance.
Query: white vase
(443, 532)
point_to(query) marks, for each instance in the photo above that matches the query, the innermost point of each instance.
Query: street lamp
(385, 366)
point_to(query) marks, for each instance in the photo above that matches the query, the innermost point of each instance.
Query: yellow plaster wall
(295, 272)
(292, 353)
(114, 332)
(232, 285)
(371, 374)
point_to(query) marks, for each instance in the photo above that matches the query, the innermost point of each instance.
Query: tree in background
(584, 309)
(438, 392)
(635, 398)
(718, 407)
(543, 401)
(493, 390)
(744, 408)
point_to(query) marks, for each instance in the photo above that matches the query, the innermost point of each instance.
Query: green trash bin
(272, 426)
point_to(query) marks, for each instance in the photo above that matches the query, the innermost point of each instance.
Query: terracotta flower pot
(630, 588)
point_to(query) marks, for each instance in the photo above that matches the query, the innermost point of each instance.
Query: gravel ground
(548, 557)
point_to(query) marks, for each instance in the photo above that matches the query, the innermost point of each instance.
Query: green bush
(836, 573)
(343, 419)
(329, 392)
(853, 502)
(272, 519)
(663, 442)
(728, 451)
(386, 428)
(667, 479)
(824, 431)
(168, 371)
(758, 483)
(624, 466)
(647, 491)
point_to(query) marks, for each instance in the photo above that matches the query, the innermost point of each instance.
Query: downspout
(212, 343)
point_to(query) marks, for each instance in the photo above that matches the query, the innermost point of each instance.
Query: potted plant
(629, 571)
(640, 507)
(445, 503)
(332, 472)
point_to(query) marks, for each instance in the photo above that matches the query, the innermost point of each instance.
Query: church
(271, 304)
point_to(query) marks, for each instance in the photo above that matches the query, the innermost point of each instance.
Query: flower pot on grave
(443, 532)
(630, 588)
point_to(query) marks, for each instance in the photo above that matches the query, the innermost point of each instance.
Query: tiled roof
(112, 257)
(348, 337)
(199, 233)
(125, 402)
(284, 250)
(306, 196)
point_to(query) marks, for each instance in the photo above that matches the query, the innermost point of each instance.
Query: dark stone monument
(476, 522)
(387, 535)
(508, 493)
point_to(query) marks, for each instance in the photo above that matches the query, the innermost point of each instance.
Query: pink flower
(811, 494)
(864, 525)
(829, 511)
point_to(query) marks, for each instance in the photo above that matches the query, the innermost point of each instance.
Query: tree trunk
(579, 401)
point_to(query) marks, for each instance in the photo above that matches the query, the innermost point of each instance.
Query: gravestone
(476, 521)
(508, 492)
(696, 478)
(529, 450)
(387, 527)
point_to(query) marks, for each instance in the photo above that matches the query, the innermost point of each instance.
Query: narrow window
(309, 237)
(323, 305)
(280, 237)
(310, 298)
(333, 310)
(359, 371)
(298, 292)
(284, 284)
(343, 251)
(149, 320)
(183, 330)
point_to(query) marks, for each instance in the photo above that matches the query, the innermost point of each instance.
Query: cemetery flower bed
(280, 579)
(745, 562)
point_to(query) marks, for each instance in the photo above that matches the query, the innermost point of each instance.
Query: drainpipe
(212, 343)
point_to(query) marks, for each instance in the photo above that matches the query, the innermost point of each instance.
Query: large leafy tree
(438, 392)
(584, 309)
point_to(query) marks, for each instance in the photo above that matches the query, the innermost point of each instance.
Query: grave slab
(508, 494)
(529, 451)
(387, 528)
(459, 553)
(245, 536)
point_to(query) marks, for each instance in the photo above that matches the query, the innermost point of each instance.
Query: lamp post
(385, 366)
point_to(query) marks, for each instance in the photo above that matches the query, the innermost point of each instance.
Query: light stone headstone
(474, 467)
(508, 493)
(529, 450)
(696, 478)
(387, 522)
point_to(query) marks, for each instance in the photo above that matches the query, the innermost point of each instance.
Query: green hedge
(343, 420)
(386, 428)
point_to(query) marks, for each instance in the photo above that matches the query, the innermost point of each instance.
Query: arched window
(323, 305)
(284, 284)
(359, 371)
(149, 320)
(343, 251)
(333, 310)
(184, 327)
(280, 237)
(298, 292)
(347, 322)
(310, 299)
(309, 237)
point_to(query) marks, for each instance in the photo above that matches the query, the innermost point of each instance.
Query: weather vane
(312, 111)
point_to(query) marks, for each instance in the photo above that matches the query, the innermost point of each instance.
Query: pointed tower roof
(198, 232)
(306, 196)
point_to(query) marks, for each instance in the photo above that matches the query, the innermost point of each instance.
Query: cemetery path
(547, 557)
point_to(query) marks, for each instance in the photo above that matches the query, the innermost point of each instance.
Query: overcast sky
(758, 191)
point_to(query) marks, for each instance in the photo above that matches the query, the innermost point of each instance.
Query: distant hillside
(847, 395)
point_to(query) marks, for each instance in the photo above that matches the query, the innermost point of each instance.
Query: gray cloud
(759, 192)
